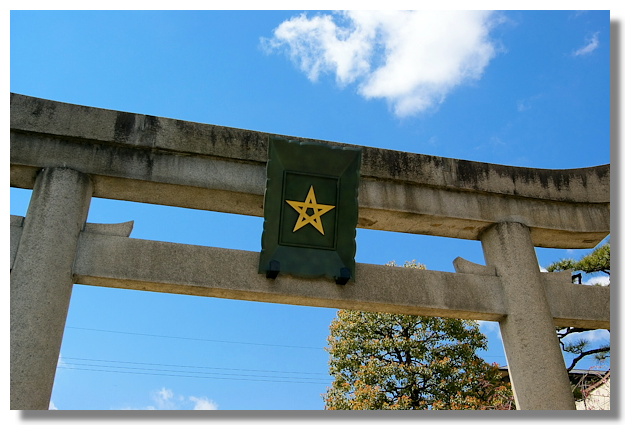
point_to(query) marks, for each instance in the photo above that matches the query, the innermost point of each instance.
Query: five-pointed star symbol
(314, 218)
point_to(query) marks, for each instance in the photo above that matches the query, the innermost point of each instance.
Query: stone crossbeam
(107, 257)
(171, 162)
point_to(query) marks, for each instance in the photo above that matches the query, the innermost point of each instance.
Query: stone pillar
(41, 282)
(536, 364)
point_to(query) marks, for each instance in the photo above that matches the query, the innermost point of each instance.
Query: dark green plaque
(310, 210)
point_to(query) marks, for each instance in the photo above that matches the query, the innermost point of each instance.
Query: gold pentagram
(309, 203)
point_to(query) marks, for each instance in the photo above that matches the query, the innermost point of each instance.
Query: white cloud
(319, 46)
(595, 337)
(203, 403)
(163, 398)
(412, 59)
(591, 45)
(166, 399)
(599, 280)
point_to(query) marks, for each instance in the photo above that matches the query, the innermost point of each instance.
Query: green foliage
(597, 261)
(581, 347)
(393, 361)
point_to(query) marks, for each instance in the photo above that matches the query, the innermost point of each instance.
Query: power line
(197, 339)
(65, 358)
(194, 376)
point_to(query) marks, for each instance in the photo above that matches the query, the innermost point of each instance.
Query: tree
(392, 361)
(599, 260)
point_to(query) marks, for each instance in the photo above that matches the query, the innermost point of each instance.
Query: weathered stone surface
(537, 371)
(168, 267)
(15, 234)
(99, 258)
(165, 161)
(36, 115)
(41, 282)
(122, 229)
(461, 265)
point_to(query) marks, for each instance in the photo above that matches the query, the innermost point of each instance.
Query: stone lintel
(89, 124)
(171, 162)
(120, 262)
(571, 304)
(578, 305)
(112, 261)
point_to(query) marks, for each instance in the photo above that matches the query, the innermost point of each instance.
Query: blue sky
(522, 88)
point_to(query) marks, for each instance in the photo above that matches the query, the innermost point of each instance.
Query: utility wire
(197, 339)
(65, 358)
(222, 341)
(143, 370)
(195, 376)
(109, 368)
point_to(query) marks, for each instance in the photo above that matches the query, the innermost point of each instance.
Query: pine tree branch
(585, 354)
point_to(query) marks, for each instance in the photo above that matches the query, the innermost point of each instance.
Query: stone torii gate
(68, 154)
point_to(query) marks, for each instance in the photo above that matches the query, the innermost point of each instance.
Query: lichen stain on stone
(151, 128)
(254, 143)
(470, 174)
(136, 129)
(547, 179)
(151, 123)
(396, 164)
(124, 126)
(37, 110)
